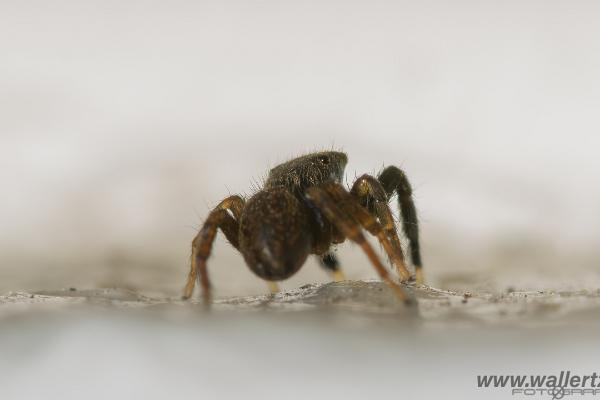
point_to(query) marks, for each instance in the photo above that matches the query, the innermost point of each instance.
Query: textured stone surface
(371, 298)
(316, 341)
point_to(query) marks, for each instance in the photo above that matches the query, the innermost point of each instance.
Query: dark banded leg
(219, 218)
(330, 262)
(394, 180)
(370, 194)
(352, 230)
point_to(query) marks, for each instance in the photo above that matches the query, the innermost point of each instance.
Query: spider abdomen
(274, 234)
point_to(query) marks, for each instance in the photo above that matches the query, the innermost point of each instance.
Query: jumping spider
(303, 209)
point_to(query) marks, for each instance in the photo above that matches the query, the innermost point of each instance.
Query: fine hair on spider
(302, 208)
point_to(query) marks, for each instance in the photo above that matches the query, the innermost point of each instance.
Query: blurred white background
(122, 123)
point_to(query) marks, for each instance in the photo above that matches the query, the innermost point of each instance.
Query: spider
(303, 209)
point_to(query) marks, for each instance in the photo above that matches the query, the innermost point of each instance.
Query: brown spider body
(303, 209)
(279, 228)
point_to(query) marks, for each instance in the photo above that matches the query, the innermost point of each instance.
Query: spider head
(309, 170)
(329, 164)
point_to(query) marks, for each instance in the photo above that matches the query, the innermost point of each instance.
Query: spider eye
(324, 160)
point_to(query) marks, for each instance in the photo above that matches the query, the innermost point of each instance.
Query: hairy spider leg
(320, 197)
(370, 193)
(219, 218)
(393, 180)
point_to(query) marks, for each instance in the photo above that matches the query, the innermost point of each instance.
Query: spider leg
(330, 262)
(352, 230)
(219, 218)
(370, 194)
(393, 180)
(273, 287)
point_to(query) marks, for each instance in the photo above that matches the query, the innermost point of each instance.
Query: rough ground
(350, 340)
(359, 297)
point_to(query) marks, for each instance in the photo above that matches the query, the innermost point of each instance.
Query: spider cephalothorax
(303, 209)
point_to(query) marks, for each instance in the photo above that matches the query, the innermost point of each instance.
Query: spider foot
(420, 279)
(338, 276)
(273, 287)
